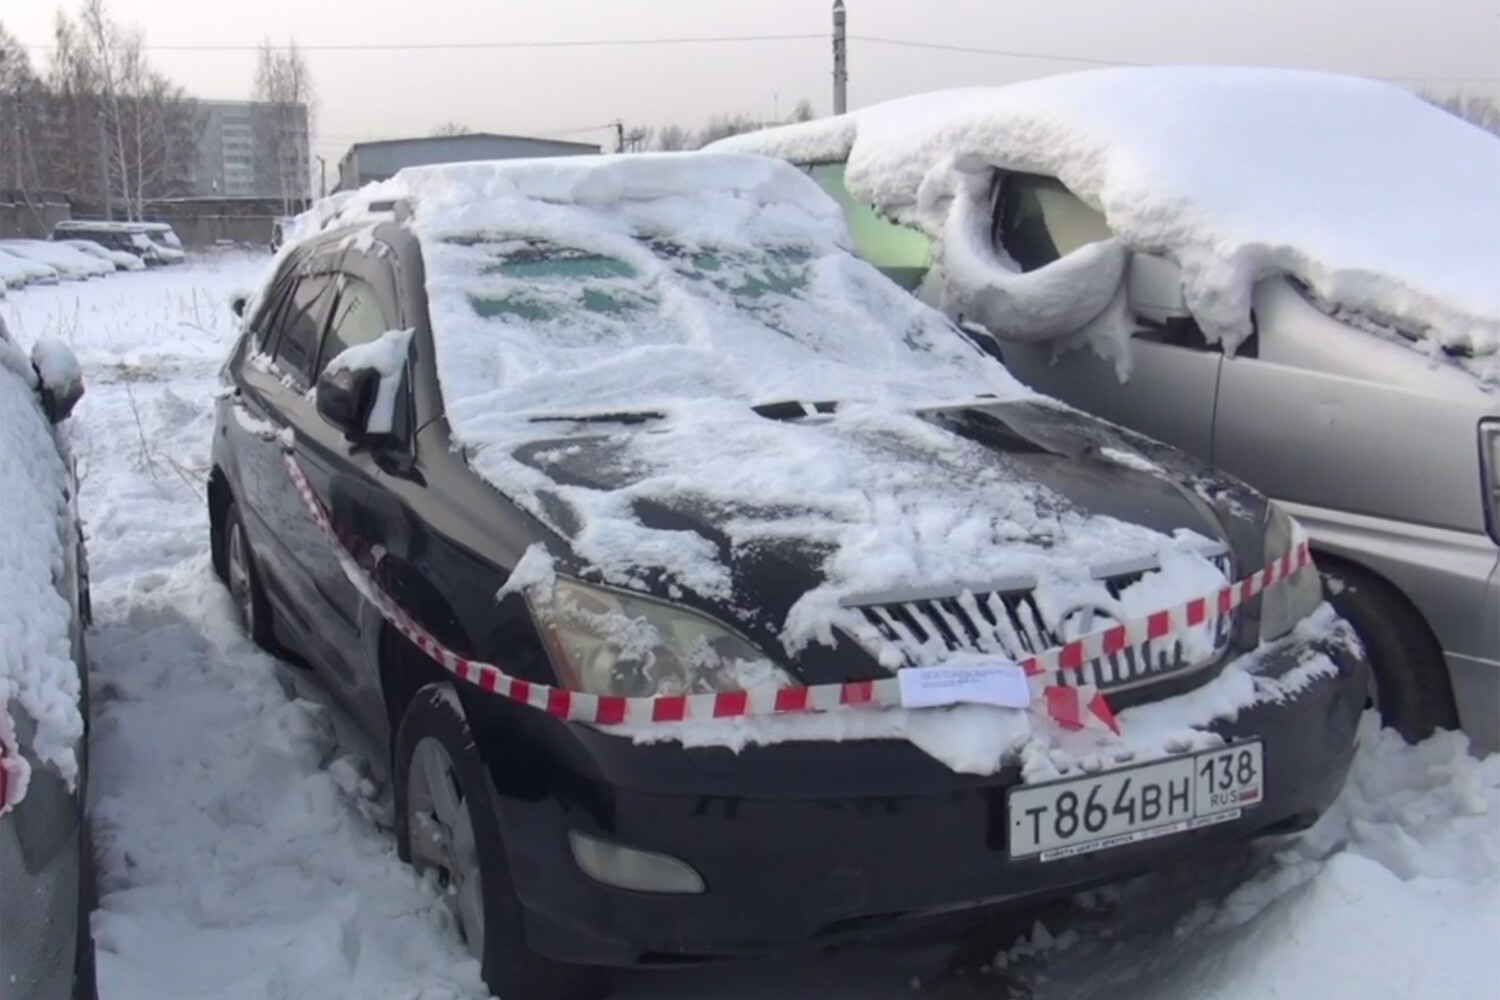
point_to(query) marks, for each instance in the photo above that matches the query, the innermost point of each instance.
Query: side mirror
(345, 397)
(61, 377)
(1154, 289)
(237, 303)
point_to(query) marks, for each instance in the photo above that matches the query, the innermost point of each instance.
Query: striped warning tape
(1074, 706)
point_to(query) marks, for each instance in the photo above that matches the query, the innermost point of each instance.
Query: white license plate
(1082, 815)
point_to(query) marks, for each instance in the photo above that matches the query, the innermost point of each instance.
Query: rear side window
(901, 253)
(357, 319)
(298, 325)
(1041, 221)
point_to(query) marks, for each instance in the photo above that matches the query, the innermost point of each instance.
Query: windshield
(547, 327)
(901, 253)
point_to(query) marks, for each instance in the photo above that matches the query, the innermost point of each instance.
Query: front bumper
(805, 843)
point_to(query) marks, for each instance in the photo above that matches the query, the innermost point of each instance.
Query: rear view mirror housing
(60, 377)
(345, 397)
(1154, 290)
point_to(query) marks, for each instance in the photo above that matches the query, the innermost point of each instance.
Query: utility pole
(840, 58)
(619, 128)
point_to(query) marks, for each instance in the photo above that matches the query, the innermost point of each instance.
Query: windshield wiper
(793, 409)
(621, 417)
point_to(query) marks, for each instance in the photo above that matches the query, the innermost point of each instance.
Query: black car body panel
(794, 840)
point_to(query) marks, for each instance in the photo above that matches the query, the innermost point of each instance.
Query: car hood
(782, 523)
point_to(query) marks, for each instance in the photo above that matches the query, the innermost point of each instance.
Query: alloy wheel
(442, 838)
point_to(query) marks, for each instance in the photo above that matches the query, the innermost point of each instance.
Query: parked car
(110, 235)
(279, 228)
(69, 263)
(47, 887)
(15, 273)
(705, 449)
(1389, 455)
(166, 241)
(35, 271)
(120, 260)
(154, 242)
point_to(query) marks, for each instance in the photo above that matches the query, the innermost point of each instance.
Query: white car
(68, 262)
(122, 260)
(13, 273)
(32, 271)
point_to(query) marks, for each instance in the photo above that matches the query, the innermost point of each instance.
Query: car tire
(434, 738)
(242, 578)
(1412, 690)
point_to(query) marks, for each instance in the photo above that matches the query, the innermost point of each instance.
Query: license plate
(1075, 816)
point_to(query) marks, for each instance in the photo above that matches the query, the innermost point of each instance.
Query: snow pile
(1379, 202)
(245, 851)
(37, 674)
(1394, 894)
(690, 289)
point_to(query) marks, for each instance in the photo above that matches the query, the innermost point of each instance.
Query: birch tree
(283, 121)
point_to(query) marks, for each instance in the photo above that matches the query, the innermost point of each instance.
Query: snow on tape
(1076, 706)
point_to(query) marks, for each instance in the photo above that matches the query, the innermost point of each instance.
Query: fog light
(639, 871)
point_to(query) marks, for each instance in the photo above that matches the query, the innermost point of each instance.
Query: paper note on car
(1001, 684)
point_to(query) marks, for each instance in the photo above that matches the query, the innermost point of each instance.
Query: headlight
(1288, 601)
(1489, 468)
(609, 642)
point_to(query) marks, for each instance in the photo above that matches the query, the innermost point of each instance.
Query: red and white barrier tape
(1073, 706)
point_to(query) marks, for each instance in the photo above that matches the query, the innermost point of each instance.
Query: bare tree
(144, 123)
(451, 128)
(285, 97)
(672, 137)
(20, 91)
(1477, 109)
(803, 112)
(724, 126)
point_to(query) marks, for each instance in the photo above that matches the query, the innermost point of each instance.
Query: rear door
(1172, 386)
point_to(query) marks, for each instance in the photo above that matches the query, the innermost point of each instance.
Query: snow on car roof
(1378, 201)
(694, 287)
(37, 673)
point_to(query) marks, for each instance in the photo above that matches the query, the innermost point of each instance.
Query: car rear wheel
(447, 829)
(243, 579)
(1410, 677)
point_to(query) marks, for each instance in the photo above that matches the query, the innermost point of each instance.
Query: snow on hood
(37, 674)
(1378, 201)
(693, 288)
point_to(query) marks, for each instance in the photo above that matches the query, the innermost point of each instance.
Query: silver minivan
(1389, 458)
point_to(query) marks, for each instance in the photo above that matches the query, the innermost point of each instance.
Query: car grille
(922, 629)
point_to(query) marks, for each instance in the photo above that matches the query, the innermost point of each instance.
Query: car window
(903, 254)
(1041, 221)
(298, 325)
(357, 319)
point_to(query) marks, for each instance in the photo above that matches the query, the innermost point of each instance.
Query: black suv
(408, 481)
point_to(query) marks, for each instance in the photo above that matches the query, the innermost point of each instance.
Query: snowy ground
(245, 844)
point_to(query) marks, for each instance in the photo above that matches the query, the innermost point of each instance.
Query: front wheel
(446, 827)
(1410, 685)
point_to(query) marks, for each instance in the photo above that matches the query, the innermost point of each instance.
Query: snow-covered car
(69, 263)
(14, 273)
(654, 532)
(46, 864)
(34, 271)
(120, 260)
(1209, 234)
(154, 242)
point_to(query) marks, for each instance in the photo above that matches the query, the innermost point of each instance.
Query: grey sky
(389, 93)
